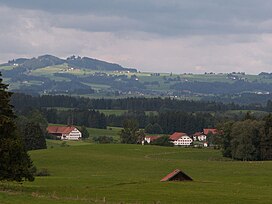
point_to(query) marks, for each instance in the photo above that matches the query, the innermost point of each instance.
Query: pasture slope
(116, 173)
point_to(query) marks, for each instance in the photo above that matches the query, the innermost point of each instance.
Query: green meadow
(83, 172)
(112, 111)
(110, 131)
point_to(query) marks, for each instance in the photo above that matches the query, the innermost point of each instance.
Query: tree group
(248, 140)
(15, 163)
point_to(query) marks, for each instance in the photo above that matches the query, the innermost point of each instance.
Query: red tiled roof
(60, 129)
(152, 138)
(177, 135)
(198, 133)
(211, 130)
(174, 173)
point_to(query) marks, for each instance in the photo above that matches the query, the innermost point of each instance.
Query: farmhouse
(65, 132)
(180, 139)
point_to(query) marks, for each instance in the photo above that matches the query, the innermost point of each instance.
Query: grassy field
(112, 111)
(6, 67)
(89, 173)
(121, 112)
(110, 131)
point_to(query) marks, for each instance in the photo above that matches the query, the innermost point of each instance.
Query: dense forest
(21, 101)
(171, 114)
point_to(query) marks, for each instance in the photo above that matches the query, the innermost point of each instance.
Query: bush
(103, 139)
(163, 141)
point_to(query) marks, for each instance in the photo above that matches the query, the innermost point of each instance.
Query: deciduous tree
(128, 133)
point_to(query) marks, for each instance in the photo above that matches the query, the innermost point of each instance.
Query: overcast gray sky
(151, 35)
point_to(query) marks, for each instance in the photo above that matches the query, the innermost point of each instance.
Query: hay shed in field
(177, 175)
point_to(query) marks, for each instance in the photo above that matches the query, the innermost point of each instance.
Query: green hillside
(84, 76)
(89, 173)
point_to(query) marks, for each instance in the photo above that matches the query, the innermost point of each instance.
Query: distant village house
(180, 139)
(65, 132)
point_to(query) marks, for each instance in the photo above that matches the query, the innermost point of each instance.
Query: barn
(177, 175)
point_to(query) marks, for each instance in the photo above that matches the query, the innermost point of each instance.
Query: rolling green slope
(94, 78)
(131, 174)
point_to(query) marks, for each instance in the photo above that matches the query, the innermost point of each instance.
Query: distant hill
(23, 64)
(94, 64)
(84, 76)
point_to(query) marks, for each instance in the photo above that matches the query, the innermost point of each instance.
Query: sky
(179, 36)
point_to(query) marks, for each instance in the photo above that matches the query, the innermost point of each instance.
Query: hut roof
(177, 175)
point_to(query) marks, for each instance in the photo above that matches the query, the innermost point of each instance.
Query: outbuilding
(177, 175)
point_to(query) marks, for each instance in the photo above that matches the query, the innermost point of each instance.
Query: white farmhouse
(65, 132)
(180, 139)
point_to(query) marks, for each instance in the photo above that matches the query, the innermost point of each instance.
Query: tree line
(80, 117)
(173, 115)
(249, 139)
(165, 122)
(21, 101)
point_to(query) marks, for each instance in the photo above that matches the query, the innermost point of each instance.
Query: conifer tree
(15, 163)
(33, 136)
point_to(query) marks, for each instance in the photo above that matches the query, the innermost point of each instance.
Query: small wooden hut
(177, 175)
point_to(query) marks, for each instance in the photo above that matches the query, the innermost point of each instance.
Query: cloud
(152, 35)
(162, 17)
